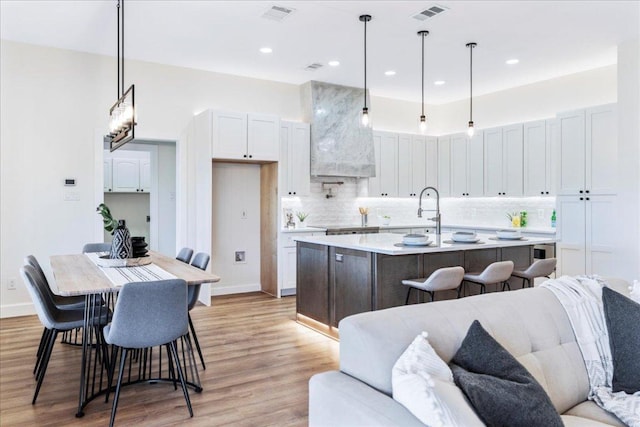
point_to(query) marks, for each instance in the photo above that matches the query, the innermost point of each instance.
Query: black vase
(121, 245)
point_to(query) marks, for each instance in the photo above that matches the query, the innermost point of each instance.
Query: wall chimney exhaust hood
(339, 145)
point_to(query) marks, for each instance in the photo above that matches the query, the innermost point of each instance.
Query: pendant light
(422, 122)
(364, 119)
(122, 115)
(470, 130)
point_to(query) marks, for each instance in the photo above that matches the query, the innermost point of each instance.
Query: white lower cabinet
(586, 235)
(287, 261)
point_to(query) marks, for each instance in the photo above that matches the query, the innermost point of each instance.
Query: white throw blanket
(581, 298)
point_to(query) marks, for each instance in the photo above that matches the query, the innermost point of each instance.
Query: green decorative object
(302, 216)
(110, 224)
(121, 247)
(523, 219)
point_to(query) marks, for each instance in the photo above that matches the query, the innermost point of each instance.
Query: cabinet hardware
(587, 191)
(244, 155)
(587, 198)
(581, 198)
(581, 191)
(250, 156)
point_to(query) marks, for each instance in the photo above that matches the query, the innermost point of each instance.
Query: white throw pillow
(423, 383)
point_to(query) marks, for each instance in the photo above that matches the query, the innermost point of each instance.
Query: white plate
(465, 239)
(423, 243)
(505, 237)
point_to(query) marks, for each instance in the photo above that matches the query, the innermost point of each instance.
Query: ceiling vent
(313, 67)
(278, 13)
(429, 13)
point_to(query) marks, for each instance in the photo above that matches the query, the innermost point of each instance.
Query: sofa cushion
(573, 421)
(500, 389)
(423, 384)
(530, 323)
(623, 323)
(591, 411)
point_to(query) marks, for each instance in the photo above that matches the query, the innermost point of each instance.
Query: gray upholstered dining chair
(495, 273)
(63, 303)
(201, 260)
(440, 280)
(185, 255)
(148, 314)
(96, 247)
(55, 320)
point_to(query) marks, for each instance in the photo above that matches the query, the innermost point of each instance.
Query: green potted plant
(121, 246)
(302, 216)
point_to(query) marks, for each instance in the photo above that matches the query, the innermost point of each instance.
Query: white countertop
(385, 243)
(478, 228)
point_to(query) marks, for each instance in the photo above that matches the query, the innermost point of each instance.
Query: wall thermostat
(69, 182)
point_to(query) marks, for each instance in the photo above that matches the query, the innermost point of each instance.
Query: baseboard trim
(17, 310)
(234, 289)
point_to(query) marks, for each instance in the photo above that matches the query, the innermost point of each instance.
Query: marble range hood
(339, 145)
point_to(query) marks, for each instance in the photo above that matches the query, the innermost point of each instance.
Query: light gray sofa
(530, 323)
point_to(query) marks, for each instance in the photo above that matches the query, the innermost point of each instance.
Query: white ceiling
(550, 38)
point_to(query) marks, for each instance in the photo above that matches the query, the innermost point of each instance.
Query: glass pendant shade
(365, 120)
(422, 124)
(470, 130)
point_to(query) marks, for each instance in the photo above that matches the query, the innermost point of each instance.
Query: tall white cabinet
(294, 168)
(412, 166)
(385, 183)
(444, 166)
(587, 151)
(503, 157)
(466, 165)
(538, 157)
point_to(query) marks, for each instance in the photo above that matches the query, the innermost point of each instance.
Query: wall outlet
(11, 284)
(240, 257)
(540, 213)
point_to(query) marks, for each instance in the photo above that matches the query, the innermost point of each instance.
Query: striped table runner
(120, 276)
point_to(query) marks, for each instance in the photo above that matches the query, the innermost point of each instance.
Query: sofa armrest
(337, 399)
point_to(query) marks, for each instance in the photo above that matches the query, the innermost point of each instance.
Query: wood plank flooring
(259, 361)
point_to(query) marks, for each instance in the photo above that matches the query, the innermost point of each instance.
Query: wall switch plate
(71, 196)
(11, 284)
(240, 257)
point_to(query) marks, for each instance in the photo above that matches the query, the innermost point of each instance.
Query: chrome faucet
(437, 218)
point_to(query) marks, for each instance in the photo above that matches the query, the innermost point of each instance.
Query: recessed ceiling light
(266, 50)
(439, 82)
(512, 61)
(390, 73)
(334, 63)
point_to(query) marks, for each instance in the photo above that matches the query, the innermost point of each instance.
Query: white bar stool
(497, 272)
(539, 268)
(440, 280)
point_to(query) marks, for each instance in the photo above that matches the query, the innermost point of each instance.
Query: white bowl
(508, 234)
(415, 239)
(464, 236)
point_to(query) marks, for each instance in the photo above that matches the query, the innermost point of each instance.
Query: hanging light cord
(365, 63)
(118, 20)
(471, 46)
(122, 87)
(423, 36)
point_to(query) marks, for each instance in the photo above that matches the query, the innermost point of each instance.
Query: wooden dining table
(76, 275)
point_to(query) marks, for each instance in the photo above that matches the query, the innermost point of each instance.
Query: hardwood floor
(259, 361)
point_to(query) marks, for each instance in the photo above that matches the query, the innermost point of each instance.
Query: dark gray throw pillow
(623, 322)
(501, 390)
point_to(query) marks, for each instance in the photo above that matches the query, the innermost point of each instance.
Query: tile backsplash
(342, 209)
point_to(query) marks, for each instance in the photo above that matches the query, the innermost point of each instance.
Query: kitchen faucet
(437, 218)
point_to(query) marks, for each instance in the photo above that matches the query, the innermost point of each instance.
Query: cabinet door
(600, 238)
(263, 137)
(229, 135)
(444, 166)
(145, 175)
(375, 189)
(389, 165)
(431, 162)
(571, 227)
(405, 166)
(601, 150)
(536, 168)
(289, 269)
(284, 168)
(493, 162)
(458, 165)
(475, 164)
(418, 164)
(512, 160)
(299, 162)
(126, 175)
(107, 181)
(571, 152)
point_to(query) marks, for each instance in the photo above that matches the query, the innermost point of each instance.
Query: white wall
(236, 226)
(167, 199)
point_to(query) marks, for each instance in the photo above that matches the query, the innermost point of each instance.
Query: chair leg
(406, 301)
(431, 295)
(195, 339)
(459, 290)
(116, 395)
(174, 353)
(506, 285)
(44, 363)
(44, 340)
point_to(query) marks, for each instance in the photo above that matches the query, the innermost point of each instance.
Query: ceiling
(550, 39)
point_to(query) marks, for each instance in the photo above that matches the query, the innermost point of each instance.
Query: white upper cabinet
(587, 151)
(412, 166)
(145, 175)
(503, 161)
(127, 172)
(126, 175)
(294, 164)
(385, 183)
(241, 136)
(537, 158)
(431, 162)
(467, 165)
(444, 166)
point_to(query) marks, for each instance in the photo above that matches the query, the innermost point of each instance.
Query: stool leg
(406, 301)
(431, 295)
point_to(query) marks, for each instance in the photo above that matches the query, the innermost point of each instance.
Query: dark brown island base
(338, 276)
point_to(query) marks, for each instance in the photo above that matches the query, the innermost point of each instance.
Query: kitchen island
(341, 275)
